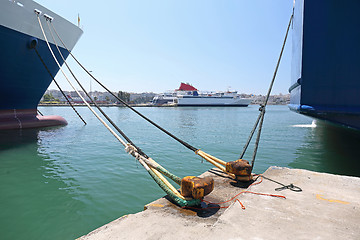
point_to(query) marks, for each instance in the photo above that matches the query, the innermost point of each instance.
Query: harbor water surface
(61, 183)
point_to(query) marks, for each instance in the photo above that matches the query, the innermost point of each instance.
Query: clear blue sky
(153, 45)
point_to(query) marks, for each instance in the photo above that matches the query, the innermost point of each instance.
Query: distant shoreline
(130, 104)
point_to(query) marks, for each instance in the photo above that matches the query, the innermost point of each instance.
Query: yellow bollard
(240, 168)
(196, 187)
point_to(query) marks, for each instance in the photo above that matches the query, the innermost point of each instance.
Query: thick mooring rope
(208, 157)
(187, 145)
(58, 86)
(40, 112)
(260, 119)
(235, 198)
(153, 168)
(91, 100)
(67, 79)
(197, 151)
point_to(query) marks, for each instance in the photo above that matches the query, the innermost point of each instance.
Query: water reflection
(13, 138)
(187, 118)
(33, 189)
(331, 149)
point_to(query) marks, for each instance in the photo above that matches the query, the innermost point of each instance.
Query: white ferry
(187, 95)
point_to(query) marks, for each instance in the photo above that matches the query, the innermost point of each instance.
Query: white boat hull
(213, 101)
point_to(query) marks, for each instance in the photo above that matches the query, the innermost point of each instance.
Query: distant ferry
(23, 78)
(187, 95)
(326, 61)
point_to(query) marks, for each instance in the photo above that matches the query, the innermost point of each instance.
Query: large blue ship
(326, 61)
(23, 77)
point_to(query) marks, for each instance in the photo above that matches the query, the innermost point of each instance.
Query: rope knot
(130, 149)
(262, 107)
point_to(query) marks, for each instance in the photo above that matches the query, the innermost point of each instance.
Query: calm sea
(61, 183)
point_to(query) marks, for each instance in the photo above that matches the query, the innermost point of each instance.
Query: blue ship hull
(24, 79)
(326, 60)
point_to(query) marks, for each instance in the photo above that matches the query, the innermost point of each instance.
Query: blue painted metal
(23, 78)
(326, 59)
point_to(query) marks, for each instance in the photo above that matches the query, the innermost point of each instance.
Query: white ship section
(20, 16)
(212, 101)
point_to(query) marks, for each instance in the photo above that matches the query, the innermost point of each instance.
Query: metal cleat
(37, 11)
(48, 18)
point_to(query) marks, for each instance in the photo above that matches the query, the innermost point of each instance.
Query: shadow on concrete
(203, 210)
(219, 173)
(234, 183)
(243, 185)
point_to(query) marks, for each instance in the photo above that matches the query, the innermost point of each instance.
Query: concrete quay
(328, 207)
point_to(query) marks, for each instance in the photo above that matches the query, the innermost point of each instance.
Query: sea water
(63, 182)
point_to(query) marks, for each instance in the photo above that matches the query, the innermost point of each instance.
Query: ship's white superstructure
(169, 98)
(187, 95)
(214, 99)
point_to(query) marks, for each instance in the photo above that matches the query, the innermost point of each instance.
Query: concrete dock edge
(327, 208)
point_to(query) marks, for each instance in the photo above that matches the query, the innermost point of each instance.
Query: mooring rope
(250, 136)
(291, 186)
(197, 151)
(58, 86)
(153, 170)
(91, 100)
(39, 112)
(213, 160)
(235, 198)
(97, 116)
(260, 119)
(187, 145)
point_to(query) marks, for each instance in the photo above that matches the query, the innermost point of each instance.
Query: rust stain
(320, 197)
(146, 207)
(156, 205)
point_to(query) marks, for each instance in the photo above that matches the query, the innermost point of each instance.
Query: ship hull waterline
(23, 77)
(325, 61)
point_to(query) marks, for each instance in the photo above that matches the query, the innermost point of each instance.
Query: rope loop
(262, 108)
(291, 187)
(130, 149)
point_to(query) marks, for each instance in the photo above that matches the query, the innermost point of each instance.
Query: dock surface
(328, 207)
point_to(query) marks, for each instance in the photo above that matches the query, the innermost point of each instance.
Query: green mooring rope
(181, 202)
(169, 174)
